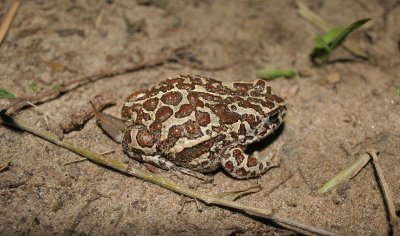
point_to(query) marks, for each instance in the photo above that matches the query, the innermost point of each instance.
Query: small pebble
(333, 77)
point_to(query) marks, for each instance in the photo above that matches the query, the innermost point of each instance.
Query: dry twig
(18, 103)
(234, 195)
(283, 181)
(158, 180)
(82, 213)
(176, 55)
(78, 117)
(4, 165)
(8, 19)
(387, 194)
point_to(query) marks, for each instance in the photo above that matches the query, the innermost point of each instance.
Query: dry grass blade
(394, 223)
(313, 17)
(8, 19)
(4, 165)
(238, 193)
(158, 180)
(318, 21)
(352, 170)
(346, 174)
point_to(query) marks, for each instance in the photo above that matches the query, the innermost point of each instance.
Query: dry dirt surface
(340, 110)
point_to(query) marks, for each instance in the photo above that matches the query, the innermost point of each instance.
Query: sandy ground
(329, 120)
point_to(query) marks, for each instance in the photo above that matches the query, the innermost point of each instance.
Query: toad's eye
(274, 118)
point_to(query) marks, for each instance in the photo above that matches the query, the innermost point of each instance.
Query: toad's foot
(110, 125)
(241, 165)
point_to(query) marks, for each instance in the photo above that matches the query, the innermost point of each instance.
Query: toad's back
(189, 115)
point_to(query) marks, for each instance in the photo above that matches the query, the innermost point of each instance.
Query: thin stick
(279, 184)
(4, 165)
(171, 56)
(8, 19)
(387, 194)
(160, 181)
(18, 103)
(319, 22)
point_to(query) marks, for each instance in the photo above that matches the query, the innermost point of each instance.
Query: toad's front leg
(241, 165)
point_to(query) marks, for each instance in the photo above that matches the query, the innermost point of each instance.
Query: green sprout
(34, 86)
(58, 85)
(272, 74)
(326, 43)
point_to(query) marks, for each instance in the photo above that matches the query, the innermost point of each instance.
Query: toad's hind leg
(241, 165)
(159, 161)
(165, 164)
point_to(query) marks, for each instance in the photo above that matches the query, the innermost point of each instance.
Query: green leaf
(320, 42)
(326, 43)
(272, 74)
(331, 35)
(398, 90)
(6, 94)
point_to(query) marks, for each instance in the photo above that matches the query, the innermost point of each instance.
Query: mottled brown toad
(200, 124)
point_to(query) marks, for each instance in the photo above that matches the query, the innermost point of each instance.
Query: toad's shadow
(265, 142)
